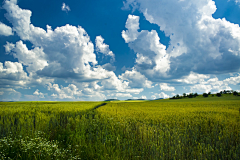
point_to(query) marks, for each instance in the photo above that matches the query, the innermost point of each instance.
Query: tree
(235, 93)
(177, 96)
(209, 93)
(195, 94)
(184, 94)
(205, 95)
(190, 95)
(219, 94)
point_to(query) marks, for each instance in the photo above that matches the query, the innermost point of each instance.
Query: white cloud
(211, 85)
(67, 53)
(127, 5)
(68, 92)
(152, 60)
(201, 88)
(160, 95)
(19, 18)
(165, 87)
(123, 95)
(11, 67)
(12, 74)
(193, 78)
(9, 94)
(143, 97)
(201, 83)
(233, 80)
(153, 97)
(80, 91)
(40, 94)
(5, 30)
(9, 47)
(136, 79)
(134, 90)
(109, 67)
(198, 42)
(103, 48)
(163, 95)
(34, 59)
(114, 83)
(65, 7)
(64, 52)
(132, 25)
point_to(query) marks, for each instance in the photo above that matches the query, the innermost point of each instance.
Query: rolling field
(189, 128)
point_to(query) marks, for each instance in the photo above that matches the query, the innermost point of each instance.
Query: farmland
(199, 128)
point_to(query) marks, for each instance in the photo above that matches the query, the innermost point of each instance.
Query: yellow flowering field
(160, 129)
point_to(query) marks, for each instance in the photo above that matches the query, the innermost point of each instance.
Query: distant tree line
(193, 95)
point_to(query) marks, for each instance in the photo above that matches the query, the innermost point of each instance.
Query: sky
(93, 50)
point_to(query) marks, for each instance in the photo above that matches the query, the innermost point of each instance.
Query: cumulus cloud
(9, 94)
(67, 53)
(152, 59)
(233, 80)
(34, 59)
(201, 88)
(14, 68)
(123, 95)
(73, 92)
(103, 48)
(193, 78)
(160, 95)
(65, 8)
(64, 52)
(198, 42)
(120, 85)
(39, 94)
(201, 83)
(143, 97)
(68, 92)
(211, 85)
(205, 83)
(5, 30)
(132, 25)
(136, 79)
(165, 87)
(12, 74)
(109, 67)
(9, 47)
(153, 97)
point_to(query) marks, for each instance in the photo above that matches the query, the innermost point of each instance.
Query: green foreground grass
(189, 128)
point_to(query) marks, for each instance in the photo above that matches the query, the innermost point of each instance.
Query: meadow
(199, 128)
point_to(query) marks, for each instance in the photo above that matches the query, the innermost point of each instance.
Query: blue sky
(97, 50)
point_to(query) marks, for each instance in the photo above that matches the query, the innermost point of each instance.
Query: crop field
(200, 128)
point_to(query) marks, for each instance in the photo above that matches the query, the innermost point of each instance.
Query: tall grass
(146, 130)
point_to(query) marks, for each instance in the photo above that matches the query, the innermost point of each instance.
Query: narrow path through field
(100, 105)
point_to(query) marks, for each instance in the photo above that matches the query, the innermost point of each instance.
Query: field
(199, 128)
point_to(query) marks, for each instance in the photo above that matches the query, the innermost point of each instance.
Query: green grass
(188, 128)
